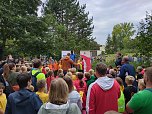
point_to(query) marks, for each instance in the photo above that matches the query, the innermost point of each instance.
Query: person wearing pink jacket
(103, 94)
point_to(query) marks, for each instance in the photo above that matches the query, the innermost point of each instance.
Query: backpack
(34, 80)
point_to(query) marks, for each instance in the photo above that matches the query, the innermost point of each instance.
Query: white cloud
(107, 13)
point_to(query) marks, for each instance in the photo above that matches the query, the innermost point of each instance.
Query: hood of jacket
(74, 96)
(105, 83)
(23, 96)
(55, 109)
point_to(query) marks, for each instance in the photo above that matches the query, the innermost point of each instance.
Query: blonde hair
(23, 69)
(47, 69)
(60, 71)
(69, 70)
(129, 79)
(31, 88)
(91, 71)
(69, 74)
(73, 70)
(141, 84)
(58, 92)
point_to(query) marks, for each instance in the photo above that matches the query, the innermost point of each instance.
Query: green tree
(17, 18)
(109, 46)
(121, 37)
(144, 36)
(77, 26)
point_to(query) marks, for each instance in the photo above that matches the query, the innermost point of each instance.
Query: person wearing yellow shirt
(3, 99)
(73, 71)
(41, 88)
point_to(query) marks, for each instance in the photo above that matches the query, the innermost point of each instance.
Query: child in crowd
(3, 99)
(139, 73)
(18, 69)
(41, 88)
(91, 71)
(121, 100)
(141, 84)
(74, 96)
(81, 87)
(60, 71)
(31, 88)
(113, 73)
(49, 79)
(89, 79)
(73, 71)
(47, 69)
(118, 70)
(130, 89)
(61, 75)
(23, 69)
(69, 70)
(69, 74)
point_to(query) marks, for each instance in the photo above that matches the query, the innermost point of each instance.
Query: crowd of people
(32, 87)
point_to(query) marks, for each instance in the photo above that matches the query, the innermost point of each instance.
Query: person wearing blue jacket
(23, 101)
(126, 69)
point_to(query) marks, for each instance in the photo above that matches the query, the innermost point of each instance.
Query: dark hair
(22, 80)
(101, 68)
(41, 84)
(68, 54)
(2, 86)
(37, 63)
(50, 73)
(110, 67)
(69, 82)
(148, 73)
(71, 52)
(119, 53)
(29, 68)
(87, 75)
(80, 77)
(61, 75)
(18, 69)
(119, 80)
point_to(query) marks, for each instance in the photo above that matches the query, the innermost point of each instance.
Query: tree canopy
(120, 38)
(63, 25)
(143, 39)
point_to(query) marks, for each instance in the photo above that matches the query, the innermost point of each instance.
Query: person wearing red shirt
(103, 94)
(49, 79)
(81, 87)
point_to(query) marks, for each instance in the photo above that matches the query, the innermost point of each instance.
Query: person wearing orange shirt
(56, 67)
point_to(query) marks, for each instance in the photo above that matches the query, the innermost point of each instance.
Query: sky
(107, 13)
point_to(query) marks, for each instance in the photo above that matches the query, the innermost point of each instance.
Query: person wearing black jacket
(118, 59)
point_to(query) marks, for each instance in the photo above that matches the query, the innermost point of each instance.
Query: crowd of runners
(62, 87)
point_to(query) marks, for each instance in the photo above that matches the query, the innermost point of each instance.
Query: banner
(86, 55)
(64, 53)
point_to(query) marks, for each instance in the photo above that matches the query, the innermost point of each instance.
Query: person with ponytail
(81, 87)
